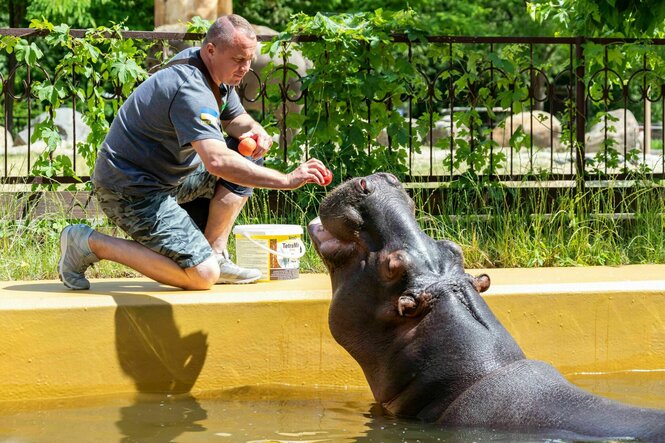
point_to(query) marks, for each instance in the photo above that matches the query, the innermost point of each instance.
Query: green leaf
(198, 25)
(59, 36)
(41, 24)
(50, 94)
(500, 63)
(28, 53)
(9, 42)
(127, 71)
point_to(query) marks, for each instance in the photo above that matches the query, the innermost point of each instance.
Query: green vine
(101, 58)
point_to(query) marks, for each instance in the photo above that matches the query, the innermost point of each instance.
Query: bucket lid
(268, 229)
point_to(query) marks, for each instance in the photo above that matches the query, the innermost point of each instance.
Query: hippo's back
(532, 395)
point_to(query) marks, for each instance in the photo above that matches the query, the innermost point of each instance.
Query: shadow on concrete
(153, 352)
(151, 349)
(149, 344)
(98, 287)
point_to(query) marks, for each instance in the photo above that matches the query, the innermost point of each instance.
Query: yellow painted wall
(137, 336)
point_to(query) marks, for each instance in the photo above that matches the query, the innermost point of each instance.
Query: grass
(31, 250)
(536, 230)
(495, 227)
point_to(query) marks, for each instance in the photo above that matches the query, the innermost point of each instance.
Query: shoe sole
(237, 282)
(63, 249)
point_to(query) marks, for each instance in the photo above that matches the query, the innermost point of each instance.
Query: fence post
(580, 111)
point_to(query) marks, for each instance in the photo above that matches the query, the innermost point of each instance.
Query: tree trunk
(224, 7)
(168, 12)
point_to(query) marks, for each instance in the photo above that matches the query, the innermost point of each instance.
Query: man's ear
(209, 48)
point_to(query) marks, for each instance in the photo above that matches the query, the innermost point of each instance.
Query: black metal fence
(534, 108)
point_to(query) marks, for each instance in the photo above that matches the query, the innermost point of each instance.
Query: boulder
(622, 127)
(5, 135)
(540, 122)
(440, 129)
(65, 120)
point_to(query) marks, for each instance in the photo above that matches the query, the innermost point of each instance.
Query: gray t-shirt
(148, 147)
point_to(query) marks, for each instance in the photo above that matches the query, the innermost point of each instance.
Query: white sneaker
(229, 272)
(75, 256)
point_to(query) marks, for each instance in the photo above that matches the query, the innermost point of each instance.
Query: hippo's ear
(481, 282)
(392, 265)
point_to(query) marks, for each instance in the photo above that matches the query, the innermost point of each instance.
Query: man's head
(228, 49)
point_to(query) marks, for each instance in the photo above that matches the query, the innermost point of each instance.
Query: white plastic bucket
(273, 249)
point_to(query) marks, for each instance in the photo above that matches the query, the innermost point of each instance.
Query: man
(166, 147)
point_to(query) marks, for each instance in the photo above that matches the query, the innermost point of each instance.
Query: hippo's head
(402, 304)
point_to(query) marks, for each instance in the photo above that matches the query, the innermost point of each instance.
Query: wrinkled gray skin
(429, 345)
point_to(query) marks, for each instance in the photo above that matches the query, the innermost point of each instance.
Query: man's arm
(231, 166)
(243, 126)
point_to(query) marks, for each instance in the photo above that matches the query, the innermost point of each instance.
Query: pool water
(271, 414)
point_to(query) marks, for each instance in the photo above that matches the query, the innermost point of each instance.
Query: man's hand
(244, 126)
(312, 171)
(262, 139)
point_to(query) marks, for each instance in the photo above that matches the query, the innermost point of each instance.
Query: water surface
(271, 414)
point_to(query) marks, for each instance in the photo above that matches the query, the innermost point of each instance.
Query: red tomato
(327, 177)
(247, 146)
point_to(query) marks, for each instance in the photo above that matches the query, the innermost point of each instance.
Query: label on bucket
(284, 268)
(276, 255)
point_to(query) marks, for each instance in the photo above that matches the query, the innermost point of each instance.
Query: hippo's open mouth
(330, 248)
(318, 233)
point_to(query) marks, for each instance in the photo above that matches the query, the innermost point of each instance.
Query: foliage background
(480, 17)
(531, 236)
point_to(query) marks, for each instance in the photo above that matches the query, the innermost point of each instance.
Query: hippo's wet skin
(429, 345)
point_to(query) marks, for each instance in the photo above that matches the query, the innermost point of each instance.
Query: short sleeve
(194, 112)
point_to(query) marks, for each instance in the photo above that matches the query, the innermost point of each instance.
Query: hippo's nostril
(407, 306)
(364, 186)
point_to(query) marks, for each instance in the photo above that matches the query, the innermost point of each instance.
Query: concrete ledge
(134, 335)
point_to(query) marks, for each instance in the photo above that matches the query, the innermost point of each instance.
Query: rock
(440, 129)
(63, 121)
(5, 135)
(620, 123)
(541, 123)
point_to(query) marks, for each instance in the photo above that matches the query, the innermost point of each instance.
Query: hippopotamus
(428, 344)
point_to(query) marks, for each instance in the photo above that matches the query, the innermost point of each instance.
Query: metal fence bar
(580, 114)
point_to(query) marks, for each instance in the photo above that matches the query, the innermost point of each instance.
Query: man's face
(230, 64)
